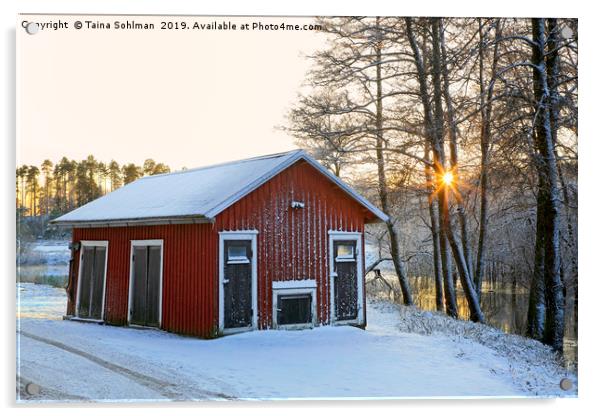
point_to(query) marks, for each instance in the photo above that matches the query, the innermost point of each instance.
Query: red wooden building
(269, 242)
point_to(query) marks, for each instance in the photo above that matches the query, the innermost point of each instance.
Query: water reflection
(504, 306)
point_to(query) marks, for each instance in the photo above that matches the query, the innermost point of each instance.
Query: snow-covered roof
(195, 195)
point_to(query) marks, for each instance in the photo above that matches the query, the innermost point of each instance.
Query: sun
(447, 178)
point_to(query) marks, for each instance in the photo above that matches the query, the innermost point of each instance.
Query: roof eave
(350, 191)
(128, 222)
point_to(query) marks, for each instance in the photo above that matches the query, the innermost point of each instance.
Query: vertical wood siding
(189, 274)
(292, 244)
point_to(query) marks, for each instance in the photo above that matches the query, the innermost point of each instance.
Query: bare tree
(353, 124)
(464, 131)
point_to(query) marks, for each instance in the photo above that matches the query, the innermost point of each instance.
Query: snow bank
(533, 366)
(327, 362)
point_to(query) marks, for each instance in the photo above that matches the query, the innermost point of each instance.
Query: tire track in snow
(166, 389)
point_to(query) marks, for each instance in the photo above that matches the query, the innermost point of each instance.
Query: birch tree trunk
(548, 198)
(536, 313)
(382, 183)
(435, 234)
(476, 314)
(433, 133)
(553, 73)
(486, 109)
(453, 144)
(462, 265)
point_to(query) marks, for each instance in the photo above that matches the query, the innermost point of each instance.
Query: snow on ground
(90, 362)
(40, 301)
(532, 366)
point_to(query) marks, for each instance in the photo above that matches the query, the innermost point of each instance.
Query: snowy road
(83, 362)
(91, 362)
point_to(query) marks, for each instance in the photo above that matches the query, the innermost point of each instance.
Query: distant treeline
(52, 189)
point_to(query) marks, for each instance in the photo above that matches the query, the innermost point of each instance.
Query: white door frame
(349, 236)
(250, 235)
(145, 243)
(91, 243)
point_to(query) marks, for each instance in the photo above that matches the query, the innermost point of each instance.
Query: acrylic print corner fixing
(223, 208)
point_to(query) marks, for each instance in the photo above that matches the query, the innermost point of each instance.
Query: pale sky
(184, 97)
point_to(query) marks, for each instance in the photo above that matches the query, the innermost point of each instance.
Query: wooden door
(238, 284)
(146, 286)
(91, 285)
(345, 280)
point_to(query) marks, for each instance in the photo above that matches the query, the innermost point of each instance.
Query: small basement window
(294, 309)
(237, 254)
(294, 304)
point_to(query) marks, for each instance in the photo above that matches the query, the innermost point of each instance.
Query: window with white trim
(345, 252)
(294, 309)
(294, 304)
(237, 254)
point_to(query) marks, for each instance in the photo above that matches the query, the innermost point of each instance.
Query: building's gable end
(375, 214)
(293, 215)
(296, 183)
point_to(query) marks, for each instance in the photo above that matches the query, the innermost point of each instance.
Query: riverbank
(44, 262)
(504, 307)
(533, 366)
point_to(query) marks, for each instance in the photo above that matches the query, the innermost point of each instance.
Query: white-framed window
(237, 254)
(345, 252)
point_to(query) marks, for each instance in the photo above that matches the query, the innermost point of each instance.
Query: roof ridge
(231, 162)
(293, 156)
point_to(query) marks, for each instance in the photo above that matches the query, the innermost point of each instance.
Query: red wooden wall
(292, 244)
(189, 267)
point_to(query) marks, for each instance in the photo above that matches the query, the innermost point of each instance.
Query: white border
(344, 235)
(300, 290)
(589, 149)
(91, 243)
(238, 235)
(142, 243)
